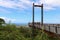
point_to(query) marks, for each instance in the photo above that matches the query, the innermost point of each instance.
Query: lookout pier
(51, 28)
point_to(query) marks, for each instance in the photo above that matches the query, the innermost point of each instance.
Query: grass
(12, 32)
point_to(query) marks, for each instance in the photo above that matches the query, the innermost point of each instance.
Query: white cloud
(10, 4)
(6, 4)
(50, 4)
(25, 4)
(22, 4)
(7, 20)
(13, 20)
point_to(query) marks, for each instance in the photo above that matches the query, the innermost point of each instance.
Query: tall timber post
(42, 15)
(33, 22)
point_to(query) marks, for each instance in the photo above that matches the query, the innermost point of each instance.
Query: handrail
(55, 26)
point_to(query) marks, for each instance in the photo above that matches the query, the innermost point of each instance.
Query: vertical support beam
(42, 15)
(33, 15)
(33, 23)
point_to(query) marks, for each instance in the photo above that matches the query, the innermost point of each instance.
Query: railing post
(49, 28)
(56, 29)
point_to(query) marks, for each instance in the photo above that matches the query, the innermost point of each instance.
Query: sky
(20, 11)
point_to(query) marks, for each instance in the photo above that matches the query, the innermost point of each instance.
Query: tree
(2, 21)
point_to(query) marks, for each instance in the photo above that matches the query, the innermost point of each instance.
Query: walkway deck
(53, 28)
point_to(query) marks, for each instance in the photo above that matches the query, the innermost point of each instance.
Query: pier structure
(54, 28)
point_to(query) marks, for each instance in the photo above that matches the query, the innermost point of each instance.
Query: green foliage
(12, 32)
(2, 21)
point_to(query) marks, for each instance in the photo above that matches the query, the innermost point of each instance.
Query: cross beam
(39, 5)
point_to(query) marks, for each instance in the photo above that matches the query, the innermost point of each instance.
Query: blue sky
(20, 11)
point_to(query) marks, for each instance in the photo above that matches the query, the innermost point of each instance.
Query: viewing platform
(51, 28)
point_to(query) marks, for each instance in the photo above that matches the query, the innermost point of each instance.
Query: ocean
(21, 24)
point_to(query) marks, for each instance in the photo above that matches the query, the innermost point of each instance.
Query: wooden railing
(48, 27)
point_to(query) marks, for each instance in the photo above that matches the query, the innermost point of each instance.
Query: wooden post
(49, 28)
(56, 29)
(33, 23)
(41, 15)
